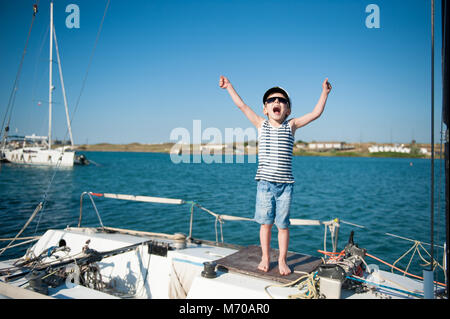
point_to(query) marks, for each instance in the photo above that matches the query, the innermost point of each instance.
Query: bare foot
(264, 265)
(284, 268)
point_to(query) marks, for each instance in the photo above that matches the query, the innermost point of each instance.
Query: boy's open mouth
(277, 110)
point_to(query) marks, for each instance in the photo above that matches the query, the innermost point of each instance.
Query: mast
(428, 275)
(432, 138)
(50, 84)
(63, 88)
(445, 117)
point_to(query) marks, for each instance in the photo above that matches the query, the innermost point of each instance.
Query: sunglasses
(280, 99)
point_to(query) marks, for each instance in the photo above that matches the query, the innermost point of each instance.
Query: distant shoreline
(359, 151)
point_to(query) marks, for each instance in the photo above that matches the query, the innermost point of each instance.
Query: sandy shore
(358, 150)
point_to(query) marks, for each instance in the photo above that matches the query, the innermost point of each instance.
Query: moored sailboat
(38, 150)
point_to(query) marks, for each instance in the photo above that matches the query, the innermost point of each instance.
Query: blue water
(385, 195)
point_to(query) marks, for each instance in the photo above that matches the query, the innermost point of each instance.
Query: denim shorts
(273, 203)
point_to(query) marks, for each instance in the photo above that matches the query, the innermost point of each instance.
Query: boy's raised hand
(256, 120)
(326, 86)
(224, 82)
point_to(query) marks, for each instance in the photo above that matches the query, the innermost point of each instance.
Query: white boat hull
(39, 156)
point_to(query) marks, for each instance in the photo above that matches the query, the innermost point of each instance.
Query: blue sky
(157, 65)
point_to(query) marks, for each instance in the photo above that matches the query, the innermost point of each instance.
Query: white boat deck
(177, 274)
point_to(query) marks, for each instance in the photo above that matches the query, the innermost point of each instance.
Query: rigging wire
(89, 65)
(12, 96)
(36, 64)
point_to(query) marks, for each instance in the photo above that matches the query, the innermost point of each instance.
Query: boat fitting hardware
(209, 269)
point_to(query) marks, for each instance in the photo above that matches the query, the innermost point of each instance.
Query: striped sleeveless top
(275, 153)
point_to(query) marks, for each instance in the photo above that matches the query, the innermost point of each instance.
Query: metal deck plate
(247, 259)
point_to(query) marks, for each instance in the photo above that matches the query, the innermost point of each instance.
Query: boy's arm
(318, 109)
(256, 120)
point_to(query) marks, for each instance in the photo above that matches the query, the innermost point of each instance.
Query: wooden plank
(247, 259)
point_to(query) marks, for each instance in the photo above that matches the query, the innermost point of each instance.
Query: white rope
(37, 209)
(21, 238)
(416, 246)
(22, 243)
(388, 234)
(306, 281)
